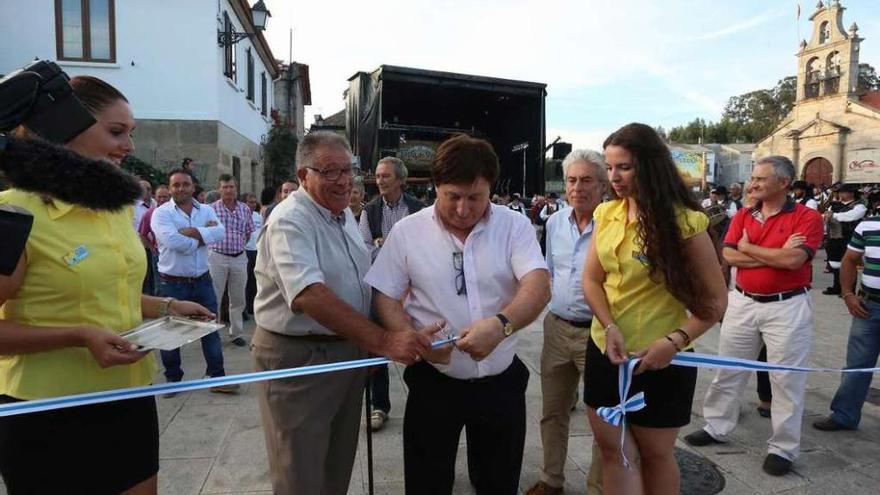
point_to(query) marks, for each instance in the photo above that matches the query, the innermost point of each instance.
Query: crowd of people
(627, 264)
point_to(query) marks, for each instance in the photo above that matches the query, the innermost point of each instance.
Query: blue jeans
(150, 284)
(202, 292)
(862, 351)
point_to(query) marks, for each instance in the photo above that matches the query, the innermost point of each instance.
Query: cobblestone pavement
(213, 443)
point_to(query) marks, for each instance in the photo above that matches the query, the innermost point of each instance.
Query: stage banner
(863, 166)
(417, 154)
(691, 165)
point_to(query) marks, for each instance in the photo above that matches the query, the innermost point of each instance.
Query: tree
(752, 116)
(661, 132)
(280, 152)
(144, 170)
(748, 117)
(868, 79)
(785, 93)
(693, 132)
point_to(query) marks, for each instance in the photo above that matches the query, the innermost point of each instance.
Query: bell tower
(828, 65)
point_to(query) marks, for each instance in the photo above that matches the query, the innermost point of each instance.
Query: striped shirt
(391, 214)
(866, 240)
(239, 227)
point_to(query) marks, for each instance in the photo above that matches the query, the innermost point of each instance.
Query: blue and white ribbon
(32, 406)
(616, 415)
(697, 360)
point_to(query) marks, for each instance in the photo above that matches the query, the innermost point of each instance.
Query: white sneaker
(377, 420)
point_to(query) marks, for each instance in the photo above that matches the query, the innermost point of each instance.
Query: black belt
(578, 324)
(233, 255)
(442, 377)
(780, 296)
(189, 280)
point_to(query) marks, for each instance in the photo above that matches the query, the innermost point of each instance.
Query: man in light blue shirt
(567, 324)
(183, 229)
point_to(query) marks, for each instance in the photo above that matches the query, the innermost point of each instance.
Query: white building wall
(168, 63)
(234, 109)
(165, 53)
(27, 30)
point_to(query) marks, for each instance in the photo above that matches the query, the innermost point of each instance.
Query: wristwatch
(506, 325)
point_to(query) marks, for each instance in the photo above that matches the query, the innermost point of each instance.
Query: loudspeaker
(561, 150)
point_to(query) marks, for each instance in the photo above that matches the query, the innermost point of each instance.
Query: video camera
(39, 97)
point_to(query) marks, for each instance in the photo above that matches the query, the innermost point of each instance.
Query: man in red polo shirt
(771, 244)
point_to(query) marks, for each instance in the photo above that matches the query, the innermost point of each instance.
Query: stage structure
(406, 112)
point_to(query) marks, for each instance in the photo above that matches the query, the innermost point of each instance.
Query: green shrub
(280, 151)
(144, 170)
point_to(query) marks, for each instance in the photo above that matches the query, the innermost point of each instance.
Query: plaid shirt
(239, 225)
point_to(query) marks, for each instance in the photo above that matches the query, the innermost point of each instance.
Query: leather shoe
(831, 291)
(775, 465)
(226, 389)
(828, 424)
(541, 488)
(238, 341)
(700, 438)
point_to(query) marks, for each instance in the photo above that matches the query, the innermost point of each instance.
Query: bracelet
(678, 349)
(611, 326)
(684, 335)
(848, 294)
(166, 305)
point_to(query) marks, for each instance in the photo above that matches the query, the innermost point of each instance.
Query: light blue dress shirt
(179, 255)
(566, 253)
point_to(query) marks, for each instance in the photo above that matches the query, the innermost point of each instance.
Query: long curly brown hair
(661, 193)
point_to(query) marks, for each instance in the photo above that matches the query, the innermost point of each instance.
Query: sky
(605, 63)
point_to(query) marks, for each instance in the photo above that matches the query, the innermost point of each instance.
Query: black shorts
(669, 393)
(96, 449)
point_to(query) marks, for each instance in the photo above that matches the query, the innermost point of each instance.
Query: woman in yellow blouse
(76, 287)
(654, 284)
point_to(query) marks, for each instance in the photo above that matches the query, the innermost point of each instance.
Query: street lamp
(259, 16)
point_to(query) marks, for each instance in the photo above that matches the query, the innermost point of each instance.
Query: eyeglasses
(458, 265)
(332, 174)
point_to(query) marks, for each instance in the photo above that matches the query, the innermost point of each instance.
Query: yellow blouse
(84, 267)
(643, 309)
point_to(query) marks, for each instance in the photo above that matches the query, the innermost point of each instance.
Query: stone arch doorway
(819, 171)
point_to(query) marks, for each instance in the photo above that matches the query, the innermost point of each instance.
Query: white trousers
(232, 271)
(786, 327)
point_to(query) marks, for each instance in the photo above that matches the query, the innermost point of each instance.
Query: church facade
(833, 132)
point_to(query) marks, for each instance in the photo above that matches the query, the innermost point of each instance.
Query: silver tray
(169, 333)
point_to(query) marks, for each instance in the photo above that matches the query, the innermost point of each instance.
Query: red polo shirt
(772, 233)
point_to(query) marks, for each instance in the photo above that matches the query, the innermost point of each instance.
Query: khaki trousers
(311, 422)
(562, 366)
(786, 328)
(230, 275)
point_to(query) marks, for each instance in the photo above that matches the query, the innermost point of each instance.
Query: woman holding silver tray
(75, 289)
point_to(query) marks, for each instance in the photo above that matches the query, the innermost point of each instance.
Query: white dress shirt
(179, 255)
(258, 222)
(140, 208)
(731, 209)
(566, 253)
(418, 255)
(303, 244)
(856, 213)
